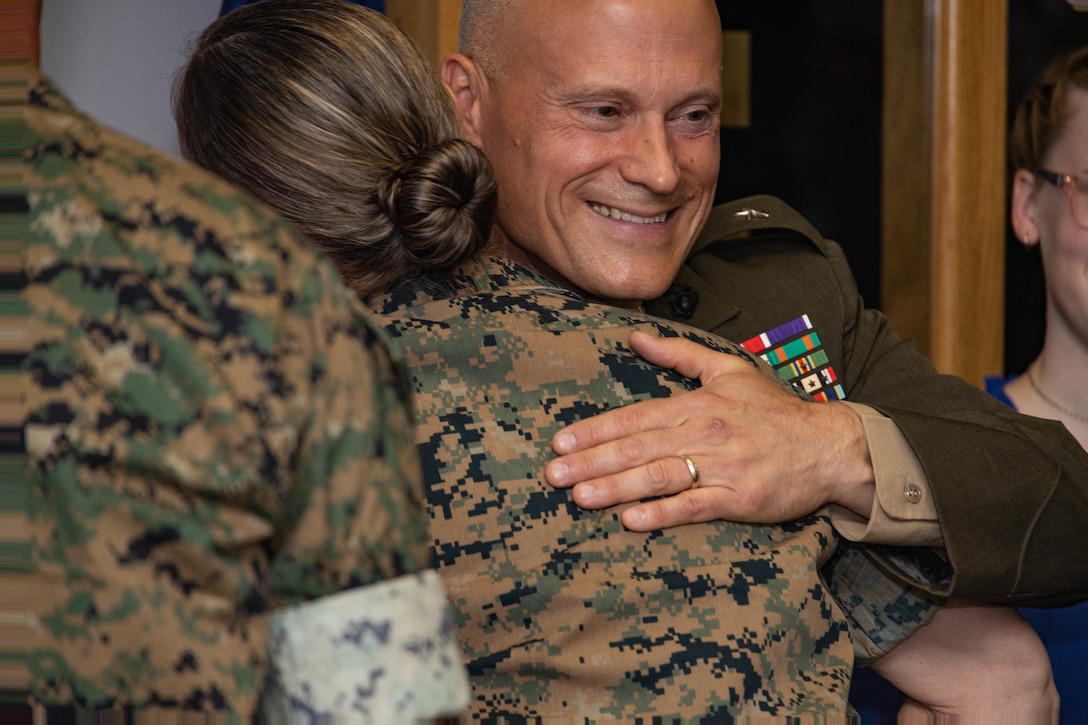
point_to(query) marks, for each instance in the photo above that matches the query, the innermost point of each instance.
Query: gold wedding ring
(693, 470)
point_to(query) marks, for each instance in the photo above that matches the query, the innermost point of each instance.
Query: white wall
(116, 59)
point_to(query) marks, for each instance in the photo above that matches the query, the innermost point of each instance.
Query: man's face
(604, 134)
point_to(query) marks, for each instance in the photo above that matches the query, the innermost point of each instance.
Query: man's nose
(651, 158)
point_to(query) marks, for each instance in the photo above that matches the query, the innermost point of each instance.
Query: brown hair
(328, 113)
(1044, 111)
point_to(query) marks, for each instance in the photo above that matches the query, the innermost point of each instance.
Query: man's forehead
(540, 29)
(546, 16)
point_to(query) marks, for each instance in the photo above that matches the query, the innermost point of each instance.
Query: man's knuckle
(714, 430)
(753, 500)
(630, 418)
(691, 507)
(632, 449)
(658, 476)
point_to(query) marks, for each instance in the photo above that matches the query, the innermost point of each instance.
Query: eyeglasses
(1075, 187)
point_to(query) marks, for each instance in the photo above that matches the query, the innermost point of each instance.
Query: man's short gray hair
(483, 33)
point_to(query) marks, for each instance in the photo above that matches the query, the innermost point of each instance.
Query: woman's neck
(1054, 386)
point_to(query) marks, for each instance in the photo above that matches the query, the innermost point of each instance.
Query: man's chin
(628, 295)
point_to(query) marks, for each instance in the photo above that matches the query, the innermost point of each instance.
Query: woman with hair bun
(328, 113)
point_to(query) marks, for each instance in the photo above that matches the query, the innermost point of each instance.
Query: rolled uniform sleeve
(387, 652)
(880, 611)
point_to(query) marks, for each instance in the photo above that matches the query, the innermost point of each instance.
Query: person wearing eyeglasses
(1049, 152)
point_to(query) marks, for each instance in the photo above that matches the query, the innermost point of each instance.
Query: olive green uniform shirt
(1003, 495)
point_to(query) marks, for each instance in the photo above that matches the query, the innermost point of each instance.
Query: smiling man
(601, 120)
(594, 138)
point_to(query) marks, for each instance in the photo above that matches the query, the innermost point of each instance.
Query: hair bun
(442, 202)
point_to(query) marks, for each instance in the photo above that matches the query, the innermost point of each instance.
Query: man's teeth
(624, 216)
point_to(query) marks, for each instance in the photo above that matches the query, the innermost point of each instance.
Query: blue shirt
(1064, 631)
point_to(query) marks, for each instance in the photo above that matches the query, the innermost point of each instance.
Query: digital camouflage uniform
(561, 612)
(216, 437)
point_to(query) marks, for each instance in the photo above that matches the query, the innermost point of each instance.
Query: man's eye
(697, 116)
(606, 111)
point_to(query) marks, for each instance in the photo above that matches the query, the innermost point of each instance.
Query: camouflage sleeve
(213, 430)
(354, 512)
(385, 653)
(881, 612)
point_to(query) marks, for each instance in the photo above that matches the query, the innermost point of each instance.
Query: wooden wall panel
(944, 179)
(736, 78)
(905, 172)
(19, 20)
(431, 23)
(969, 177)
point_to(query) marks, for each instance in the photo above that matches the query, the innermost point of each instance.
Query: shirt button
(912, 492)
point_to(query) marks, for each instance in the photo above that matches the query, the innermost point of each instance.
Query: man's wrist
(852, 478)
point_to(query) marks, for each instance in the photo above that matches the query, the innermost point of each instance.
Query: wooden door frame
(19, 35)
(433, 24)
(943, 180)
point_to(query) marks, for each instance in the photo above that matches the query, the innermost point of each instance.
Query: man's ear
(463, 80)
(1025, 207)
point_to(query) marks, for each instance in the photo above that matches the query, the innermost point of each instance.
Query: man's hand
(763, 455)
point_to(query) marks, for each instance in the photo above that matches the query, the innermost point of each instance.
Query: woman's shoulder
(995, 386)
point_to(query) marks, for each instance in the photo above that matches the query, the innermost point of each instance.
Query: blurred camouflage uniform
(216, 438)
(562, 612)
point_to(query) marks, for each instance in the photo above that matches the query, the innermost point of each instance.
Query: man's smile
(621, 215)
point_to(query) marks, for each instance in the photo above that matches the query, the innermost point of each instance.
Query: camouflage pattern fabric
(562, 613)
(213, 428)
(383, 653)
